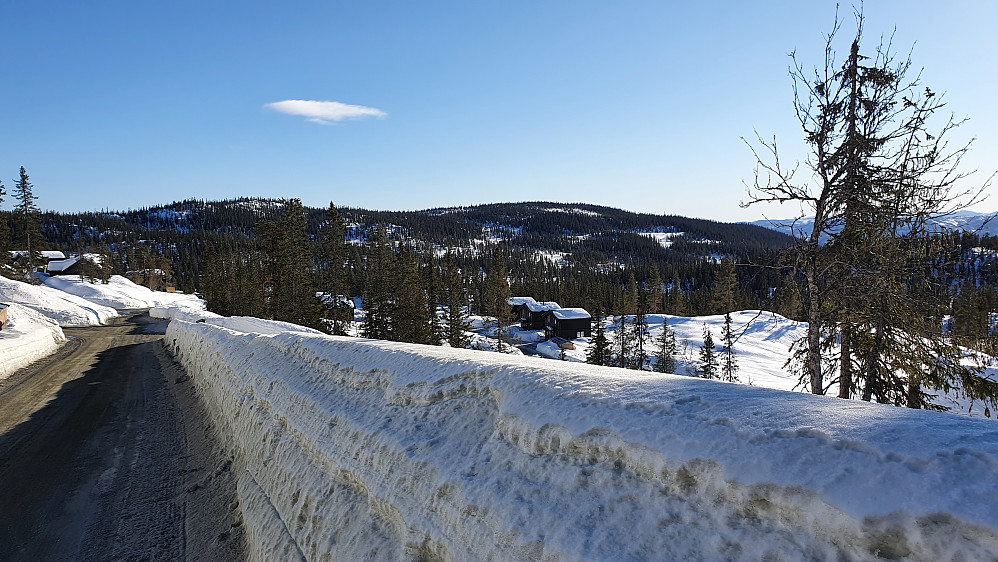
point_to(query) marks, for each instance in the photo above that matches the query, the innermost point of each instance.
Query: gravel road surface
(106, 454)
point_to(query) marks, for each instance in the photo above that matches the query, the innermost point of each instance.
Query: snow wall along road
(354, 449)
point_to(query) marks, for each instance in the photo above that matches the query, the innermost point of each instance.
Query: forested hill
(550, 246)
(538, 225)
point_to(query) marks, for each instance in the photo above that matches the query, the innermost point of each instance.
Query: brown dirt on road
(106, 453)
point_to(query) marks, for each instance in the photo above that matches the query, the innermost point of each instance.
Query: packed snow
(360, 449)
(28, 336)
(66, 309)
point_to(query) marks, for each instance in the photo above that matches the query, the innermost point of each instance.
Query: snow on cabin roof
(47, 254)
(542, 306)
(63, 265)
(571, 313)
(517, 301)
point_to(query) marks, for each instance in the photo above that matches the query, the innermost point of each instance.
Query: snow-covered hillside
(66, 309)
(118, 293)
(29, 336)
(360, 449)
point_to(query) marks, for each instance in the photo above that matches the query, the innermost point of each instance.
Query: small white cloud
(324, 112)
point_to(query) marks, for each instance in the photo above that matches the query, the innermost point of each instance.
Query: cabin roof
(63, 265)
(47, 254)
(571, 313)
(542, 306)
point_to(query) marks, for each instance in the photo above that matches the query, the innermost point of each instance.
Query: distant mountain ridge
(971, 221)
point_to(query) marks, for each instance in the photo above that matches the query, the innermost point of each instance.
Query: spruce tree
(675, 302)
(639, 330)
(379, 286)
(292, 294)
(497, 295)
(729, 366)
(622, 338)
(331, 255)
(725, 291)
(454, 297)
(665, 357)
(411, 320)
(27, 219)
(599, 352)
(654, 288)
(4, 229)
(708, 357)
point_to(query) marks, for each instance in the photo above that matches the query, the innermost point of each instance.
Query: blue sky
(639, 105)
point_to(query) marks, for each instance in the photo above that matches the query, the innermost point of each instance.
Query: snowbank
(118, 293)
(29, 336)
(66, 309)
(246, 324)
(361, 449)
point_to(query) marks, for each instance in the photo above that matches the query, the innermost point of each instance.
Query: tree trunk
(814, 332)
(845, 361)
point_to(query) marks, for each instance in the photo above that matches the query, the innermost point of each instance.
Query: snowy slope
(360, 449)
(29, 336)
(66, 309)
(118, 293)
(762, 345)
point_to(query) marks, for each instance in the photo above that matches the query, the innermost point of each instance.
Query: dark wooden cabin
(516, 305)
(568, 323)
(87, 265)
(532, 314)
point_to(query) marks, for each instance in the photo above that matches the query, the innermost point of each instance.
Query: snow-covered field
(67, 309)
(118, 293)
(29, 336)
(361, 449)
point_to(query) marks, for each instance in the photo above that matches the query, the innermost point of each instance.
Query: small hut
(568, 323)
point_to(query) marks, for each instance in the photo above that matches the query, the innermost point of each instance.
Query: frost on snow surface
(361, 449)
(66, 309)
(28, 336)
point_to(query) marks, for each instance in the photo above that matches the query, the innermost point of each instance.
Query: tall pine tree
(708, 356)
(379, 286)
(729, 366)
(4, 229)
(497, 295)
(599, 352)
(331, 255)
(27, 217)
(292, 294)
(665, 357)
(455, 318)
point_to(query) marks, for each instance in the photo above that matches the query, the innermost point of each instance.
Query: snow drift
(360, 449)
(66, 309)
(29, 336)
